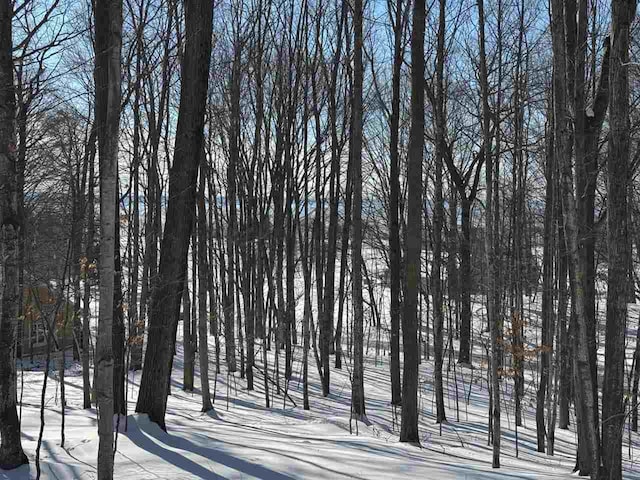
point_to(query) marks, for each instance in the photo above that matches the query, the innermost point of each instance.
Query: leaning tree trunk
(11, 454)
(165, 300)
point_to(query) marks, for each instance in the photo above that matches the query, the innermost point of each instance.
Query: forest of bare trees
(286, 198)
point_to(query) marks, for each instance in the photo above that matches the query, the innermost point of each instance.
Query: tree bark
(108, 43)
(547, 287)
(357, 387)
(187, 339)
(11, 453)
(118, 330)
(395, 254)
(234, 157)
(490, 254)
(165, 301)
(203, 288)
(90, 260)
(613, 416)
(438, 217)
(585, 406)
(409, 423)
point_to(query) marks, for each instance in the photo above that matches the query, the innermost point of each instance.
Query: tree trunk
(203, 288)
(108, 43)
(585, 407)
(11, 454)
(563, 344)
(464, 355)
(409, 423)
(357, 387)
(490, 254)
(90, 260)
(344, 248)
(234, 157)
(118, 330)
(636, 357)
(187, 339)
(547, 288)
(623, 13)
(438, 217)
(395, 254)
(334, 188)
(165, 301)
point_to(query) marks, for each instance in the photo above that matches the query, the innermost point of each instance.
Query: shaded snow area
(243, 439)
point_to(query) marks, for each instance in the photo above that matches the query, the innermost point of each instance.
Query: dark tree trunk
(234, 157)
(464, 355)
(409, 424)
(585, 405)
(90, 256)
(547, 289)
(165, 301)
(344, 248)
(493, 317)
(636, 356)
(623, 13)
(357, 387)
(203, 287)
(395, 254)
(564, 347)
(334, 188)
(290, 322)
(187, 339)
(325, 321)
(11, 221)
(118, 332)
(108, 43)
(438, 217)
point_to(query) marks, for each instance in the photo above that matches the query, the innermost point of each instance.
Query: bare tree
(108, 42)
(357, 387)
(438, 216)
(165, 301)
(409, 425)
(490, 260)
(11, 454)
(583, 380)
(395, 253)
(622, 14)
(203, 347)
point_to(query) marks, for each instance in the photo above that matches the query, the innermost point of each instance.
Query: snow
(242, 438)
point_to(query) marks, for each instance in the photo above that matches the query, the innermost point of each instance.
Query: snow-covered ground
(243, 439)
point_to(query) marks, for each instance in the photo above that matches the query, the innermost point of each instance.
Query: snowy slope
(243, 439)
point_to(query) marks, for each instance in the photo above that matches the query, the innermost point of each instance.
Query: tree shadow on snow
(151, 438)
